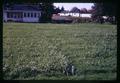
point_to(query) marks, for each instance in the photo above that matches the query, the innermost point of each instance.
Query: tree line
(98, 10)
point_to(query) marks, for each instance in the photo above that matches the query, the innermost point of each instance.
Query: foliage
(75, 10)
(104, 9)
(62, 9)
(84, 10)
(47, 11)
(57, 10)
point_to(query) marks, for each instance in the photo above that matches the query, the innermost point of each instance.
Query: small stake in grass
(70, 70)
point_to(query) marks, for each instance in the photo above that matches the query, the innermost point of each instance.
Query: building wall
(4, 16)
(86, 15)
(14, 19)
(75, 15)
(71, 14)
(32, 19)
(24, 18)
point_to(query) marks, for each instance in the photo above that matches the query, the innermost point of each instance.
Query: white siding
(32, 19)
(86, 15)
(71, 14)
(4, 16)
(14, 19)
(23, 19)
(75, 14)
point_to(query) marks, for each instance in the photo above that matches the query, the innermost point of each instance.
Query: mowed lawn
(42, 51)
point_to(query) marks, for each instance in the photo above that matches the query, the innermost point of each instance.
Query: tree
(97, 10)
(109, 9)
(57, 10)
(104, 9)
(62, 9)
(75, 10)
(83, 10)
(47, 11)
(89, 11)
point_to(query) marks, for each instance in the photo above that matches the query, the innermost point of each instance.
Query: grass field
(42, 51)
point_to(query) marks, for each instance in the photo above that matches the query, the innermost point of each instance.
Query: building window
(28, 14)
(31, 14)
(34, 14)
(14, 15)
(24, 14)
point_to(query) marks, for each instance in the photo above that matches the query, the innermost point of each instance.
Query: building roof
(23, 7)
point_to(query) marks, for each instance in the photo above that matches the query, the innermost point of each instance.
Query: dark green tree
(107, 9)
(57, 10)
(97, 10)
(104, 9)
(47, 11)
(75, 10)
(62, 9)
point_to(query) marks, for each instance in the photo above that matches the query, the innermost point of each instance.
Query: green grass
(42, 51)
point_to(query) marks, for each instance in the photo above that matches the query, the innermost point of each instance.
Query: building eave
(21, 10)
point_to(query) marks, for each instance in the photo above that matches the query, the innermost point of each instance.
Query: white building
(86, 15)
(74, 14)
(22, 13)
(70, 14)
(67, 13)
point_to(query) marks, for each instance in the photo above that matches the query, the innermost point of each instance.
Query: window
(34, 14)
(24, 14)
(14, 15)
(28, 14)
(31, 14)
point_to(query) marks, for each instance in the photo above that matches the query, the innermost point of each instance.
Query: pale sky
(69, 6)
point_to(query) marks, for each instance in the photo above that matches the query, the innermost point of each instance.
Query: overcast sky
(69, 6)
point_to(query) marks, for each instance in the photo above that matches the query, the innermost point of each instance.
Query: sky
(69, 6)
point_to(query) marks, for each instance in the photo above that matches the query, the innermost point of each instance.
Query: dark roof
(75, 10)
(23, 7)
